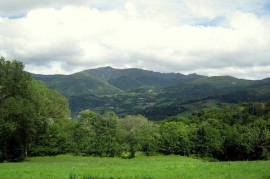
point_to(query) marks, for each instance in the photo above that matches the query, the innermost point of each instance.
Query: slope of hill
(128, 79)
(156, 95)
(78, 84)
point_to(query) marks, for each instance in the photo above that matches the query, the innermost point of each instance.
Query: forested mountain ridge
(133, 78)
(153, 94)
(122, 79)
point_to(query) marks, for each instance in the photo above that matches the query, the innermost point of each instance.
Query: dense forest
(35, 121)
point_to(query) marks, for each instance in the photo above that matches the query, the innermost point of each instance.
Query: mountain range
(153, 94)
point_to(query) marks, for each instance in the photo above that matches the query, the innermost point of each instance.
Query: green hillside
(153, 94)
(78, 84)
(128, 79)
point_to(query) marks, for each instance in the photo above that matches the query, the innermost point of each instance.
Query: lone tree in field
(137, 133)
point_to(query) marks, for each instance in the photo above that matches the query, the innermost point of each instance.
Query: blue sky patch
(211, 22)
(267, 7)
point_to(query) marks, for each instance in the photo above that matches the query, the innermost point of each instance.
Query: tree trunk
(132, 152)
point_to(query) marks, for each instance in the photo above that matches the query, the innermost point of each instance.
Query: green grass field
(66, 166)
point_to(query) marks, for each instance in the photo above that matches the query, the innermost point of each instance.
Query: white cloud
(253, 72)
(146, 34)
(15, 8)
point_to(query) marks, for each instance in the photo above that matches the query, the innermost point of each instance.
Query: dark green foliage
(175, 138)
(238, 132)
(25, 109)
(208, 140)
(16, 110)
(56, 139)
(96, 134)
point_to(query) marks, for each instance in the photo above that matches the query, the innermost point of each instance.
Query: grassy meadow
(67, 166)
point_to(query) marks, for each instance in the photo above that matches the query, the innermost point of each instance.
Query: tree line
(34, 121)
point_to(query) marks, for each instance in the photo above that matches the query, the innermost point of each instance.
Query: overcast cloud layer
(210, 37)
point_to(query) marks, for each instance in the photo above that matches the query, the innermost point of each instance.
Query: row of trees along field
(34, 121)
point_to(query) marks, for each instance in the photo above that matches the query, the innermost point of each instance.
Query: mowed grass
(163, 167)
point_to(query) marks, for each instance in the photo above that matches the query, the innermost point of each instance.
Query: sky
(208, 37)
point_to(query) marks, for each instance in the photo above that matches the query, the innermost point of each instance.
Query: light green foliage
(107, 135)
(83, 133)
(49, 103)
(137, 133)
(105, 129)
